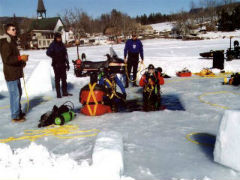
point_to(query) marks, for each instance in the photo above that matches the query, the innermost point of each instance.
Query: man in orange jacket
(151, 81)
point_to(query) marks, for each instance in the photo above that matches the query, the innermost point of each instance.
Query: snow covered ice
(40, 81)
(108, 153)
(154, 144)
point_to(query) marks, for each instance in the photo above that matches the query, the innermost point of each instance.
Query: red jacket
(144, 81)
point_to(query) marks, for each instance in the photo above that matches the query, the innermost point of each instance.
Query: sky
(94, 8)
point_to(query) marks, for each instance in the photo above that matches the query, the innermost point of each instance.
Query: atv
(233, 53)
(113, 64)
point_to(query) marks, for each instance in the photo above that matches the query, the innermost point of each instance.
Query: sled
(205, 73)
(207, 54)
(184, 74)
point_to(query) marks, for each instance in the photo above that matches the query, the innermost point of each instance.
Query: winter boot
(20, 119)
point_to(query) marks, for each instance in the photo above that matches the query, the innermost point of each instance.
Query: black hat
(151, 66)
(159, 69)
(57, 35)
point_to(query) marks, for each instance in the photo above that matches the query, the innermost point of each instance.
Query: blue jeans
(15, 93)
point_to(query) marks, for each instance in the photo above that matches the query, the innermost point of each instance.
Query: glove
(23, 58)
(23, 63)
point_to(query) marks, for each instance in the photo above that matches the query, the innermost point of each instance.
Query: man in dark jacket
(58, 52)
(133, 48)
(13, 65)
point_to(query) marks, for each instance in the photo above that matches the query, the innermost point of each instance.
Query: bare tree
(193, 5)
(1, 28)
(81, 22)
(226, 2)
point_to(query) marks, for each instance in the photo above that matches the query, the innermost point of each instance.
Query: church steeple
(41, 9)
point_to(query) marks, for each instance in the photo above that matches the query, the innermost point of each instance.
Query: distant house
(42, 32)
(42, 29)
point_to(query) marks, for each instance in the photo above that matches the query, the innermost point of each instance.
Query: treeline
(113, 23)
(154, 18)
(201, 9)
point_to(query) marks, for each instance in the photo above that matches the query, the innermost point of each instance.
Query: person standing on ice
(133, 48)
(58, 52)
(13, 65)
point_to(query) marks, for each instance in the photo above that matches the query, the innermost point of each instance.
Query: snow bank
(108, 154)
(227, 147)
(40, 81)
(33, 162)
(36, 162)
(3, 85)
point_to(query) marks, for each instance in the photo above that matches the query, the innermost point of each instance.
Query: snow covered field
(167, 26)
(153, 144)
(161, 27)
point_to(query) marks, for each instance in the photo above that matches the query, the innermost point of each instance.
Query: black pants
(60, 75)
(132, 65)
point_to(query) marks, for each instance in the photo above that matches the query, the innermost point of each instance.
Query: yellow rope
(188, 137)
(141, 67)
(91, 94)
(113, 87)
(149, 89)
(61, 132)
(214, 93)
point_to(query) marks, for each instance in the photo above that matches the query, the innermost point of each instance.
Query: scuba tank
(64, 118)
(58, 115)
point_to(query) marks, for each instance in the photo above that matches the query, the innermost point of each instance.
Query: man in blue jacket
(58, 52)
(133, 48)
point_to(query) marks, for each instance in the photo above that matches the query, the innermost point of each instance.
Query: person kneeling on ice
(115, 99)
(151, 81)
(91, 97)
